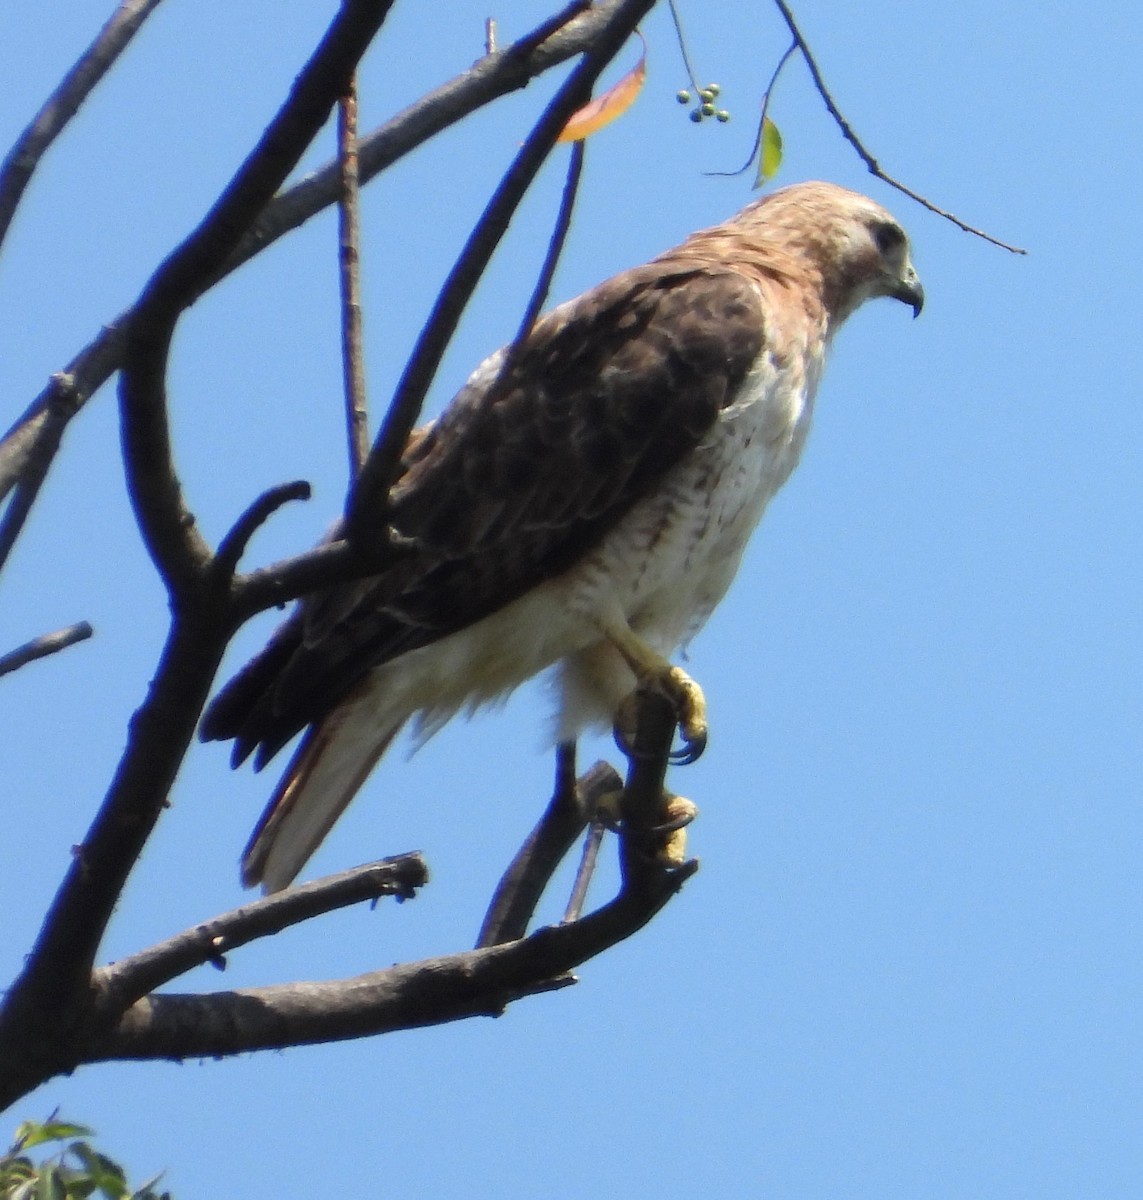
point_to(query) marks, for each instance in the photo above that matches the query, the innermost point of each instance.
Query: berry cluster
(705, 106)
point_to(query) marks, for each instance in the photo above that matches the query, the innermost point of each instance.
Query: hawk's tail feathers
(325, 773)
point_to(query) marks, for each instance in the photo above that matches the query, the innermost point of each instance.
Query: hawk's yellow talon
(678, 813)
(670, 835)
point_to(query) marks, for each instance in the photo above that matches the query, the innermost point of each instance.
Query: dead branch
(233, 545)
(530, 871)
(124, 982)
(480, 982)
(27, 455)
(551, 43)
(126, 1021)
(584, 872)
(41, 647)
(349, 275)
(59, 1012)
(367, 498)
(18, 167)
(52, 992)
(433, 991)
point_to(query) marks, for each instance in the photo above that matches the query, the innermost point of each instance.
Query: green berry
(683, 97)
(713, 88)
(696, 115)
(707, 109)
(723, 115)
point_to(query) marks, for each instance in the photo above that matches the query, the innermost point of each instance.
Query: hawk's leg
(651, 669)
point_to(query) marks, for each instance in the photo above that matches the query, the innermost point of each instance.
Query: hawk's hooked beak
(910, 291)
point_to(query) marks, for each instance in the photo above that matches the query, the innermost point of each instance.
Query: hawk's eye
(888, 237)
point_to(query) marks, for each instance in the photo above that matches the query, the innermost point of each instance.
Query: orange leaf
(607, 107)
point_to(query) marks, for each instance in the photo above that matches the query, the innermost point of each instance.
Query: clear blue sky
(910, 965)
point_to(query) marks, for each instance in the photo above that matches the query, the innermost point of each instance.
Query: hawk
(583, 507)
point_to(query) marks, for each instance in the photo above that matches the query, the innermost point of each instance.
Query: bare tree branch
(867, 158)
(349, 259)
(530, 871)
(26, 457)
(551, 43)
(572, 31)
(327, 564)
(367, 498)
(41, 647)
(556, 245)
(49, 1015)
(233, 545)
(453, 987)
(585, 871)
(164, 520)
(124, 982)
(479, 982)
(53, 990)
(179, 552)
(21, 162)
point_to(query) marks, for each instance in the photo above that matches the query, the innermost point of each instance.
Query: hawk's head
(854, 248)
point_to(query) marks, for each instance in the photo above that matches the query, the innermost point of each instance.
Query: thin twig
(26, 458)
(233, 545)
(555, 249)
(22, 160)
(680, 37)
(547, 270)
(867, 158)
(122, 983)
(367, 500)
(762, 119)
(528, 875)
(349, 258)
(585, 871)
(41, 647)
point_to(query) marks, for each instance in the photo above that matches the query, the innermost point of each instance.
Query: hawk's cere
(587, 513)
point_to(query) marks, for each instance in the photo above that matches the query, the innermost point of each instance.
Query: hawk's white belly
(670, 561)
(662, 569)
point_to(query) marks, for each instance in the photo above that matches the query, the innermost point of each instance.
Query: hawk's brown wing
(514, 483)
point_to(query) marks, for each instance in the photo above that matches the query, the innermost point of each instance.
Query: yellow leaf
(771, 157)
(607, 107)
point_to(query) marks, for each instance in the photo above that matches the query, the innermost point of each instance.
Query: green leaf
(15, 1170)
(770, 158)
(33, 1133)
(106, 1174)
(51, 1185)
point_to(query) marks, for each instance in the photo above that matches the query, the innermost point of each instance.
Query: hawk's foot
(669, 836)
(689, 703)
